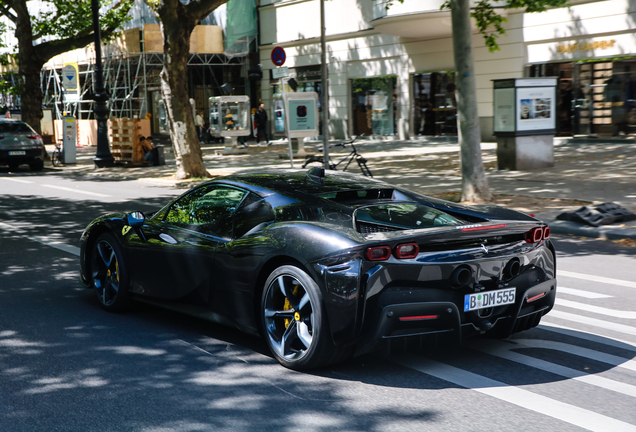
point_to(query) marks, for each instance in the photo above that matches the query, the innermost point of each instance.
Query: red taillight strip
(418, 318)
(537, 297)
(487, 227)
(397, 252)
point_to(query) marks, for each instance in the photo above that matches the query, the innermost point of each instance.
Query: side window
(206, 207)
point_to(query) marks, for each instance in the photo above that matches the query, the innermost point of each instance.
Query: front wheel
(110, 274)
(294, 320)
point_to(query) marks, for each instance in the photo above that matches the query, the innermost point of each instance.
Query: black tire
(294, 320)
(37, 165)
(109, 274)
(55, 158)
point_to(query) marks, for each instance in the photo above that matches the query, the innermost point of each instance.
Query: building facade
(391, 71)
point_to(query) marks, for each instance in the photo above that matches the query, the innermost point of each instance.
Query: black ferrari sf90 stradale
(324, 266)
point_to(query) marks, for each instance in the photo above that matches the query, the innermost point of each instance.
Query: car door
(175, 261)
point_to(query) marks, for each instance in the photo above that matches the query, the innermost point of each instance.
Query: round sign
(278, 56)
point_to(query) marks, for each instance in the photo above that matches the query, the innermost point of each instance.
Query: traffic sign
(278, 56)
(282, 72)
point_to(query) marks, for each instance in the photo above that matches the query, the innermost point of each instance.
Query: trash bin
(158, 157)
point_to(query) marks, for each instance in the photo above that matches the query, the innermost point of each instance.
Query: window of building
(373, 105)
(434, 104)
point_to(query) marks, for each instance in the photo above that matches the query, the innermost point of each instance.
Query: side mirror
(135, 219)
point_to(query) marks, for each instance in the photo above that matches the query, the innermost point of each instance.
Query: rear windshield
(15, 127)
(401, 216)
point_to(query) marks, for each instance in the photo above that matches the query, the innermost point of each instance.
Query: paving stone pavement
(586, 171)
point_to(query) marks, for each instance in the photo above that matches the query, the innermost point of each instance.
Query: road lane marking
(523, 398)
(16, 180)
(579, 351)
(596, 309)
(593, 278)
(593, 322)
(587, 335)
(56, 244)
(97, 194)
(581, 293)
(47, 241)
(505, 352)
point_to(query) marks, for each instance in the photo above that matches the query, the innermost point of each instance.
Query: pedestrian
(198, 122)
(149, 147)
(8, 114)
(260, 118)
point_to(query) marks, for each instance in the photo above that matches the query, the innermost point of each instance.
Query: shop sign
(586, 46)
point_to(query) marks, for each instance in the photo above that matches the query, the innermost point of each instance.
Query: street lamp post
(325, 87)
(103, 156)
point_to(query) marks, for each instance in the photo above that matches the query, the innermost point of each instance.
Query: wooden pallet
(124, 138)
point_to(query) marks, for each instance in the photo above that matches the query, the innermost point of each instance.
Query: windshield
(15, 127)
(401, 216)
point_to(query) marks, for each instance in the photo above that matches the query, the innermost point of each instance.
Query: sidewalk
(584, 173)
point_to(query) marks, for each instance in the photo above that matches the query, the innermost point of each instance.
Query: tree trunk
(29, 68)
(474, 183)
(174, 90)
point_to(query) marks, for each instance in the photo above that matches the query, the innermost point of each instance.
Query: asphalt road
(67, 365)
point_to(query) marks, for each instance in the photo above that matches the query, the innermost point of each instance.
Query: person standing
(198, 123)
(260, 118)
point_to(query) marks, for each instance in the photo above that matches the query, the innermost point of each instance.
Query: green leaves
(62, 19)
(490, 23)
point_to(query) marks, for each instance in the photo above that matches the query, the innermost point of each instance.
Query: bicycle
(57, 157)
(353, 155)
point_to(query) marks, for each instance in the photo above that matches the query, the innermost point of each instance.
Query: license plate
(488, 299)
(17, 153)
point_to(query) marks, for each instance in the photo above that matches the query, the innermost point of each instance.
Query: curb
(604, 232)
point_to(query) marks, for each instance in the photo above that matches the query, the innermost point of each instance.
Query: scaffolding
(127, 78)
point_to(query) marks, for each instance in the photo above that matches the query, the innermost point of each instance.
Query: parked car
(20, 144)
(326, 265)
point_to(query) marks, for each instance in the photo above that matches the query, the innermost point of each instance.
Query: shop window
(434, 104)
(373, 105)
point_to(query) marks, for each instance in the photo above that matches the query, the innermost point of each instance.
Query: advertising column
(524, 122)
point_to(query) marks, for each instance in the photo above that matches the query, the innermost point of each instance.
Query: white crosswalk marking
(621, 328)
(16, 180)
(581, 293)
(593, 278)
(596, 309)
(588, 335)
(504, 351)
(541, 404)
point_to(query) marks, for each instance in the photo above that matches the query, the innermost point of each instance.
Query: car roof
(297, 182)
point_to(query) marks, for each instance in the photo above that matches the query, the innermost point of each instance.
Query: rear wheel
(294, 320)
(110, 274)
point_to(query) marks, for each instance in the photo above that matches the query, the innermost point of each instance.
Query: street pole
(103, 156)
(324, 71)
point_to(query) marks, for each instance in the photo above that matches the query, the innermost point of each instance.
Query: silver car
(20, 144)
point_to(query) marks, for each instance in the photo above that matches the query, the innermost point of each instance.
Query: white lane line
(496, 349)
(47, 241)
(77, 191)
(596, 309)
(593, 278)
(16, 180)
(56, 244)
(581, 293)
(577, 350)
(593, 322)
(587, 335)
(574, 415)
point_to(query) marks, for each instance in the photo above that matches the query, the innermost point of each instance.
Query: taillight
(537, 234)
(34, 137)
(378, 253)
(483, 227)
(407, 250)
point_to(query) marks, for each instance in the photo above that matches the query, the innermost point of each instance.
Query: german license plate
(488, 299)
(17, 153)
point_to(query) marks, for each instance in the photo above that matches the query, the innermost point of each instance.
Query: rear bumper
(449, 325)
(30, 155)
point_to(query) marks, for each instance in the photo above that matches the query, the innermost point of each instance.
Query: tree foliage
(490, 23)
(59, 26)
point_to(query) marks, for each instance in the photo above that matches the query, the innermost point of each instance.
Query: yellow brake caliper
(288, 306)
